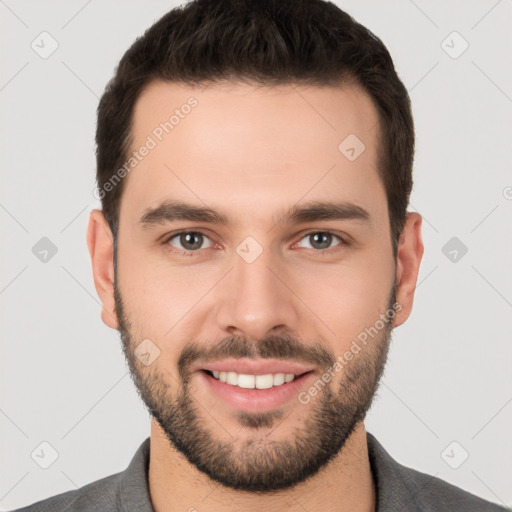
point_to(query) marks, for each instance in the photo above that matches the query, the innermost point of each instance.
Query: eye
(188, 241)
(321, 240)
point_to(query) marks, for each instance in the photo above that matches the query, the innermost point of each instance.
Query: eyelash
(167, 239)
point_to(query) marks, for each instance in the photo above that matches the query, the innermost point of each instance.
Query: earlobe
(101, 250)
(409, 255)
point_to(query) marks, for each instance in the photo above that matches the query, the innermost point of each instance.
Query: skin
(253, 153)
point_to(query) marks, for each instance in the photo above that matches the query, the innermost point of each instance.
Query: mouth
(256, 386)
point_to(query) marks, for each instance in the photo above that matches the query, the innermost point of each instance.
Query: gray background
(63, 375)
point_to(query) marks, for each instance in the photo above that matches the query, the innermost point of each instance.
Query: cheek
(165, 304)
(346, 298)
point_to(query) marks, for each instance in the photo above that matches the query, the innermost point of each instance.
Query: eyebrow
(170, 211)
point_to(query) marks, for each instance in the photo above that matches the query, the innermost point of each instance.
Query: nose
(257, 298)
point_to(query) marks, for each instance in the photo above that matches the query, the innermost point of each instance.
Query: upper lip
(250, 367)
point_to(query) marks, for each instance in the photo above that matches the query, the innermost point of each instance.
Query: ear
(101, 248)
(409, 254)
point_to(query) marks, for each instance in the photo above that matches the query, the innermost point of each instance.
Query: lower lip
(256, 400)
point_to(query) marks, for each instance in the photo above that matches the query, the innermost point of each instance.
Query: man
(254, 167)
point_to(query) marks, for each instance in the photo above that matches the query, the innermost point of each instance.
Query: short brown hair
(267, 42)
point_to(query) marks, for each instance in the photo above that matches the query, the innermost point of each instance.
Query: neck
(344, 484)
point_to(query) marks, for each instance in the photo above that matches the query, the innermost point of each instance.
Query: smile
(247, 381)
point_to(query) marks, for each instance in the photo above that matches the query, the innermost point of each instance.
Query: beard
(259, 463)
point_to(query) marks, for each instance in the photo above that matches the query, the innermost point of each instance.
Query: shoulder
(127, 490)
(100, 495)
(402, 488)
(436, 494)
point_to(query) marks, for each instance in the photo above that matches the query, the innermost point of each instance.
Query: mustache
(271, 347)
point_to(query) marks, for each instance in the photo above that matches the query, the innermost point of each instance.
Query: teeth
(253, 381)
(232, 378)
(244, 381)
(279, 378)
(264, 381)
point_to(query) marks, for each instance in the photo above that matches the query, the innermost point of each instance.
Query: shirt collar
(133, 491)
(392, 492)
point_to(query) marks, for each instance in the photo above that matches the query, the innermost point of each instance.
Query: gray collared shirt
(398, 489)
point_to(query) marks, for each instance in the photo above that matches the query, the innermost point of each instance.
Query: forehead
(240, 146)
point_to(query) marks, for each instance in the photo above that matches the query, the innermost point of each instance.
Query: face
(255, 286)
